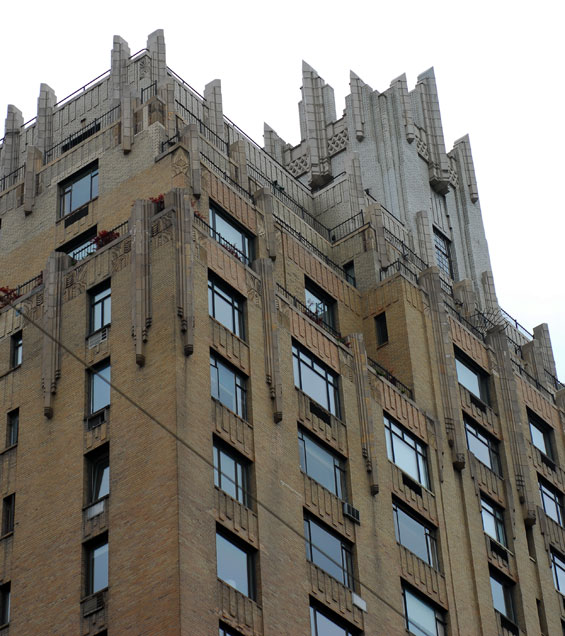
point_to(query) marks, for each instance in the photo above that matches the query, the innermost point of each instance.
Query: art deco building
(320, 421)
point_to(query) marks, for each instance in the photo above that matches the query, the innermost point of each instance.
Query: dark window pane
(328, 552)
(407, 452)
(382, 330)
(321, 625)
(232, 565)
(321, 465)
(422, 619)
(231, 474)
(99, 568)
(415, 536)
(12, 428)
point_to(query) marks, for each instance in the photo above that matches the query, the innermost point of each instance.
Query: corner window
(322, 465)
(483, 446)
(320, 305)
(469, 375)
(322, 625)
(541, 434)
(5, 593)
(443, 253)
(225, 305)
(231, 473)
(493, 521)
(382, 331)
(8, 514)
(99, 388)
(558, 569)
(16, 350)
(235, 566)
(96, 566)
(329, 552)
(98, 467)
(78, 190)
(230, 235)
(422, 618)
(552, 502)
(228, 386)
(315, 379)
(415, 536)
(100, 307)
(502, 596)
(12, 427)
(407, 452)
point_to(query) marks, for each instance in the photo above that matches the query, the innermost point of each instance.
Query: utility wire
(180, 440)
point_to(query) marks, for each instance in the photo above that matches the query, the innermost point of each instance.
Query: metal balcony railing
(315, 317)
(347, 227)
(12, 178)
(381, 371)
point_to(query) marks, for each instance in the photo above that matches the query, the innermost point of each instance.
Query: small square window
(8, 512)
(99, 388)
(5, 592)
(96, 566)
(78, 190)
(16, 351)
(100, 299)
(235, 565)
(12, 427)
(382, 331)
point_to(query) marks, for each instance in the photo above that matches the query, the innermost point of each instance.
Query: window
(5, 603)
(231, 474)
(349, 269)
(226, 306)
(552, 502)
(12, 428)
(99, 389)
(502, 596)
(422, 618)
(98, 467)
(81, 246)
(321, 465)
(472, 378)
(416, 536)
(100, 307)
(228, 386)
(320, 305)
(229, 235)
(558, 569)
(541, 435)
(407, 452)
(8, 512)
(483, 446)
(443, 253)
(78, 190)
(493, 521)
(16, 350)
(235, 566)
(315, 379)
(329, 552)
(322, 625)
(382, 331)
(226, 631)
(96, 566)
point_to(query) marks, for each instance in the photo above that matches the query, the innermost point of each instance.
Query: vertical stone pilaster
(45, 106)
(364, 408)
(449, 401)
(510, 412)
(271, 334)
(357, 194)
(127, 105)
(118, 71)
(215, 112)
(194, 158)
(34, 161)
(401, 87)
(425, 242)
(491, 301)
(51, 352)
(462, 149)
(356, 87)
(264, 200)
(11, 147)
(239, 156)
(158, 53)
(141, 276)
(274, 144)
(465, 294)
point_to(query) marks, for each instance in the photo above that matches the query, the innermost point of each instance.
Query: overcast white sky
(498, 65)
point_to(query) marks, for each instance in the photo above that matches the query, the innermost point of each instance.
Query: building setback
(320, 421)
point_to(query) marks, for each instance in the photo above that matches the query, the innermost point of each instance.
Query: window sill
(97, 418)
(75, 215)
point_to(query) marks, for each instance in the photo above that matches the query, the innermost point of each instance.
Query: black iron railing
(406, 252)
(78, 137)
(179, 78)
(224, 175)
(12, 178)
(400, 267)
(555, 382)
(229, 247)
(312, 248)
(517, 325)
(149, 92)
(170, 141)
(205, 131)
(380, 370)
(30, 284)
(288, 201)
(347, 227)
(533, 381)
(476, 331)
(96, 244)
(315, 317)
(82, 89)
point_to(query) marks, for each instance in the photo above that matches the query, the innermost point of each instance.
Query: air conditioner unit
(96, 338)
(351, 512)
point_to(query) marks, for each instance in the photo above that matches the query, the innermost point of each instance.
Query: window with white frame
(406, 451)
